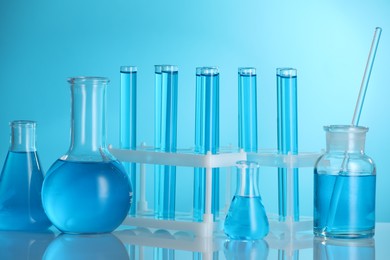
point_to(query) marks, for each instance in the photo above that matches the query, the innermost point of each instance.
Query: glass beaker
(344, 185)
(128, 123)
(246, 219)
(87, 190)
(21, 182)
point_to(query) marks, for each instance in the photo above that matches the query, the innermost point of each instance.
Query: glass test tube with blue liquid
(287, 138)
(166, 89)
(206, 137)
(247, 109)
(128, 122)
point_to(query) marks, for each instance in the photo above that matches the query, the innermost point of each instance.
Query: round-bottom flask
(246, 219)
(344, 186)
(87, 190)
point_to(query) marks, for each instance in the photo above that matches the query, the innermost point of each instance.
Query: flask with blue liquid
(246, 219)
(21, 182)
(87, 190)
(344, 185)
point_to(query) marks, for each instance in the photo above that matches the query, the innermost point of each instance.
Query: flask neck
(247, 179)
(88, 130)
(345, 138)
(22, 136)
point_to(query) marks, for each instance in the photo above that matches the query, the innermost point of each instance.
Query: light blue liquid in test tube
(247, 109)
(128, 123)
(287, 136)
(206, 136)
(166, 83)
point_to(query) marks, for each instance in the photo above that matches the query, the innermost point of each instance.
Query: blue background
(43, 42)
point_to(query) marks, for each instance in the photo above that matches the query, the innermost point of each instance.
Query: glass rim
(23, 122)
(286, 72)
(128, 68)
(345, 128)
(93, 79)
(169, 68)
(209, 71)
(247, 71)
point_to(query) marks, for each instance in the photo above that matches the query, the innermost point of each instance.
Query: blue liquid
(128, 125)
(97, 247)
(246, 219)
(358, 249)
(165, 141)
(354, 214)
(20, 193)
(247, 113)
(254, 250)
(86, 197)
(206, 140)
(287, 139)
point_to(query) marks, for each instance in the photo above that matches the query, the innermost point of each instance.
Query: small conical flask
(21, 182)
(246, 219)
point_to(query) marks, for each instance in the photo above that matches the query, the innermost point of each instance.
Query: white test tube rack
(206, 228)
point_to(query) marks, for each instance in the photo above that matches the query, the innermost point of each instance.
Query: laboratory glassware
(246, 218)
(206, 137)
(97, 246)
(166, 89)
(239, 249)
(87, 190)
(344, 185)
(25, 244)
(128, 123)
(21, 182)
(247, 109)
(287, 119)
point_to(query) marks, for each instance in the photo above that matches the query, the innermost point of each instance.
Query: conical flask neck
(247, 179)
(22, 136)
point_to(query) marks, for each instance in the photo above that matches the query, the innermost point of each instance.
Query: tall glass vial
(247, 109)
(246, 219)
(87, 190)
(166, 83)
(21, 182)
(206, 136)
(344, 185)
(128, 123)
(287, 138)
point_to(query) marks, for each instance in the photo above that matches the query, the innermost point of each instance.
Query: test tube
(128, 122)
(166, 83)
(206, 137)
(287, 137)
(247, 109)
